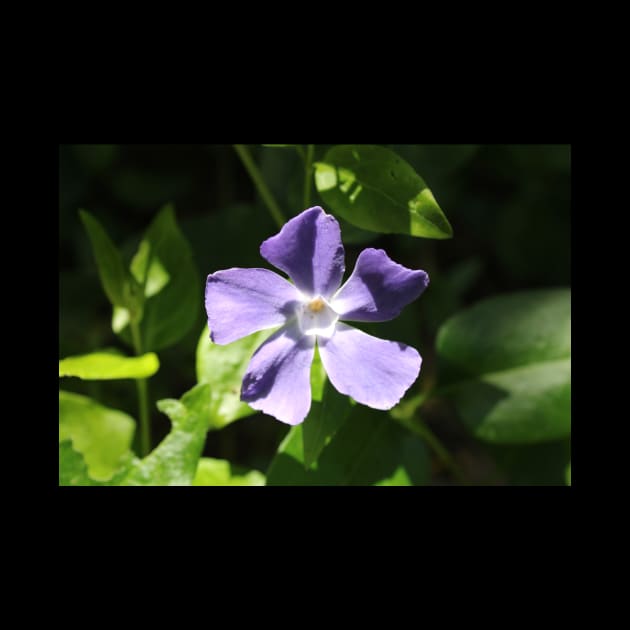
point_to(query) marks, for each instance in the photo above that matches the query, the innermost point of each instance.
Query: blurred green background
(509, 206)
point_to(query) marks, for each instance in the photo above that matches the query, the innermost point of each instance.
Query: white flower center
(316, 317)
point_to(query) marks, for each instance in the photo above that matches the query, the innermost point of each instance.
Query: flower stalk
(308, 174)
(143, 396)
(259, 182)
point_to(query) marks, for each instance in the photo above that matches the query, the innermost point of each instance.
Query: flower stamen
(316, 317)
(316, 305)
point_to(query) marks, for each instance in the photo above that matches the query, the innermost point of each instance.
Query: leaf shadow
(475, 400)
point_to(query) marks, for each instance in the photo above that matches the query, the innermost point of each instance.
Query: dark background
(509, 206)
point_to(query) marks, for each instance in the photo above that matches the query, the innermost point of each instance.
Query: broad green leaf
(174, 461)
(223, 368)
(280, 145)
(107, 365)
(102, 435)
(375, 189)
(369, 449)
(568, 474)
(164, 268)
(323, 421)
(73, 470)
(517, 406)
(506, 364)
(117, 282)
(219, 472)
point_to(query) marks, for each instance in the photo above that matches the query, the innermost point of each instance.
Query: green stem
(440, 450)
(259, 182)
(308, 174)
(143, 397)
(422, 430)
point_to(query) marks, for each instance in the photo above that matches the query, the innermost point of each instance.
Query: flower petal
(240, 302)
(375, 372)
(308, 248)
(278, 377)
(378, 288)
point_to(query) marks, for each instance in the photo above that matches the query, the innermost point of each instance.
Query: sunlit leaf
(318, 377)
(375, 189)
(219, 472)
(223, 368)
(73, 470)
(174, 461)
(107, 365)
(148, 269)
(102, 435)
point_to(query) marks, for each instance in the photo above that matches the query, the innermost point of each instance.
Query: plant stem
(143, 397)
(259, 182)
(439, 449)
(308, 174)
(418, 427)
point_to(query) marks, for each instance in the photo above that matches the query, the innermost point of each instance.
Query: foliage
(490, 226)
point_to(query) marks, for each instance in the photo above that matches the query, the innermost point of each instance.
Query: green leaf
(73, 470)
(568, 474)
(323, 422)
(506, 363)
(107, 365)
(163, 266)
(174, 461)
(223, 368)
(277, 146)
(148, 269)
(376, 190)
(117, 282)
(102, 435)
(318, 377)
(369, 449)
(219, 472)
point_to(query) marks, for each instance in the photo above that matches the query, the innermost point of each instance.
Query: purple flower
(308, 248)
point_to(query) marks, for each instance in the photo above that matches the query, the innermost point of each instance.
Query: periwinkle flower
(308, 248)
